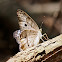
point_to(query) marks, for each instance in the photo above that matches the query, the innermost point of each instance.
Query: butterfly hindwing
(31, 37)
(16, 35)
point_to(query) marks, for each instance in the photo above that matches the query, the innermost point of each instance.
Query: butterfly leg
(42, 40)
(45, 36)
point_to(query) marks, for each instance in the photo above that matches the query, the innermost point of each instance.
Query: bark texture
(49, 51)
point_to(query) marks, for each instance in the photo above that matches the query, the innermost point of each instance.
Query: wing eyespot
(25, 37)
(25, 24)
(21, 10)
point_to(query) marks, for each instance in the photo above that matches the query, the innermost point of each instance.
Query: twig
(49, 51)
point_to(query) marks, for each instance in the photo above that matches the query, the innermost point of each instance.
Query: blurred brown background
(47, 11)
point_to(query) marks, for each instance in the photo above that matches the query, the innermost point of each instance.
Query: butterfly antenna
(41, 25)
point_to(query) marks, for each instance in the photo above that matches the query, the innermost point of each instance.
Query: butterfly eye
(25, 24)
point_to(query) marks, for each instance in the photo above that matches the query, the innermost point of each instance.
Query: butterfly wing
(31, 39)
(25, 21)
(22, 42)
(16, 35)
(30, 34)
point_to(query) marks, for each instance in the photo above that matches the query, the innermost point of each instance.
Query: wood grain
(49, 51)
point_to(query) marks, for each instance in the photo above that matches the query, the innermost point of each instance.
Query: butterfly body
(29, 34)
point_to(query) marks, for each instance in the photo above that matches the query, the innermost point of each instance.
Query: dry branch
(49, 51)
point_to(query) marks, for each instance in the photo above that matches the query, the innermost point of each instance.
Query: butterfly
(29, 34)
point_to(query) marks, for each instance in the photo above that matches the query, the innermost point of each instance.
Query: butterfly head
(41, 30)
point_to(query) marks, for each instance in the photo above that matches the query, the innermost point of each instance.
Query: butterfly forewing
(25, 21)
